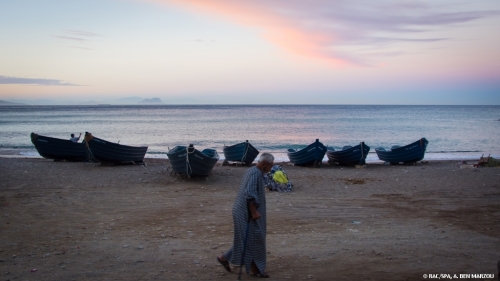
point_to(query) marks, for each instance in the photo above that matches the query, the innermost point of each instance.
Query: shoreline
(282, 156)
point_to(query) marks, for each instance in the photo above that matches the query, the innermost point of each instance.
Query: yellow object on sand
(280, 177)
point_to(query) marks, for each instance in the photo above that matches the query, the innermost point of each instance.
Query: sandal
(260, 275)
(225, 264)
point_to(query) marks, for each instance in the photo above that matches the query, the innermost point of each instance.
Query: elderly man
(249, 211)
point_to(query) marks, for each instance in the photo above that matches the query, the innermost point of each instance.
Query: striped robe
(252, 187)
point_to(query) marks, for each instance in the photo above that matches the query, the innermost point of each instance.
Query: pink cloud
(336, 30)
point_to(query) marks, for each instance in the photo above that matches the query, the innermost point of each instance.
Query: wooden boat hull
(410, 153)
(311, 155)
(59, 149)
(192, 162)
(105, 151)
(241, 152)
(355, 155)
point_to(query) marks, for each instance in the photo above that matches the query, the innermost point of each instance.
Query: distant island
(2, 102)
(151, 101)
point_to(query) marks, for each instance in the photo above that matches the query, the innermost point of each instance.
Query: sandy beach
(85, 221)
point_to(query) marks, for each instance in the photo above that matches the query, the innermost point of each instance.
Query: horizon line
(238, 104)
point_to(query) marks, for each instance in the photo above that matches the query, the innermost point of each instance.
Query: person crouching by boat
(75, 139)
(277, 180)
(249, 220)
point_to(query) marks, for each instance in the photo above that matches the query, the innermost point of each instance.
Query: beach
(86, 221)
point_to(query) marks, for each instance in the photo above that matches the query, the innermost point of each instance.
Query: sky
(251, 51)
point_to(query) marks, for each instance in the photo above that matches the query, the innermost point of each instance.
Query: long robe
(252, 188)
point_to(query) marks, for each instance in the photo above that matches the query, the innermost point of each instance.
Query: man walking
(250, 235)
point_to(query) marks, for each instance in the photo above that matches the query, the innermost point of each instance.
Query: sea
(453, 132)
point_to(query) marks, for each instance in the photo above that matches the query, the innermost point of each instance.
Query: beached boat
(349, 155)
(241, 152)
(312, 154)
(192, 162)
(105, 151)
(59, 149)
(410, 153)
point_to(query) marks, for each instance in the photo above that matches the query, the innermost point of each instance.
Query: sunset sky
(252, 51)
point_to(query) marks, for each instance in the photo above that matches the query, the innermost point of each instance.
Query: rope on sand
(246, 150)
(188, 165)
(362, 153)
(88, 137)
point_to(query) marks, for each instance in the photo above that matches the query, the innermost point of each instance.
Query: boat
(59, 149)
(110, 152)
(192, 162)
(349, 155)
(410, 153)
(241, 152)
(313, 154)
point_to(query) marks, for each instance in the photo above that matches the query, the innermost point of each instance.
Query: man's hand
(253, 212)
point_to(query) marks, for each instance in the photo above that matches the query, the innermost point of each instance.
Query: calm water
(454, 132)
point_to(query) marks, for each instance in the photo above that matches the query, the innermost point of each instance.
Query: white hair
(266, 157)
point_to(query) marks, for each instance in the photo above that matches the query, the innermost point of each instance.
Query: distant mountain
(10, 103)
(119, 101)
(90, 102)
(129, 100)
(151, 101)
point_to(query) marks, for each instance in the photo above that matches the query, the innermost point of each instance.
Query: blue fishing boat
(349, 155)
(109, 152)
(313, 154)
(192, 162)
(410, 153)
(59, 149)
(241, 152)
